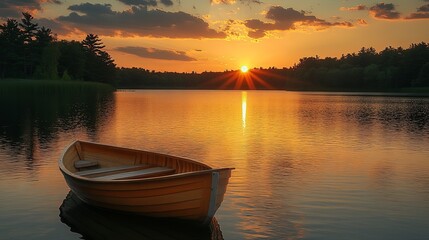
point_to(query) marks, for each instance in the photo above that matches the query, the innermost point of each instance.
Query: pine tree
(29, 30)
(11, 47)
(99, 65)
(92, 43)
(43, 37)
(72, 59)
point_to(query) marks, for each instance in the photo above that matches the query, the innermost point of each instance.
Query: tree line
(28, 50)
(390, 68)
(367, 70)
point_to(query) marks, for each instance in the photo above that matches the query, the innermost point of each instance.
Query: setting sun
(244, 69)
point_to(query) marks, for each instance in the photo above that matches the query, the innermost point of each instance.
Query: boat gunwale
(64, 170)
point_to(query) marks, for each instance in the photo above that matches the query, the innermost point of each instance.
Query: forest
(30, 51)
(368, 70)
(391, 68)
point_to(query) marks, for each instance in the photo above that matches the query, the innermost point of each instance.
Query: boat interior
(102, 162)
(124, 172)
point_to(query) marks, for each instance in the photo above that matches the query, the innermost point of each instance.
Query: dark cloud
(384, 11)
(354, 8)
(55, 26)
(139, 2)
(156, 53)
(167, 2)
(424, 8)
(287, 19)
(259, 33)
(89, 8)
(257, 24)
(55, 1)
(147, 3)
(13, 8)
(8, 13)
(422, 12)
(137, 21)
(388, 11)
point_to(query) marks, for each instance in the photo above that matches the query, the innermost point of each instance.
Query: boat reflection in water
(96, 223)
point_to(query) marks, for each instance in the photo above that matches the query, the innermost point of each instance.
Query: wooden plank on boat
(148, 172)
(111, 170)
(85, 164)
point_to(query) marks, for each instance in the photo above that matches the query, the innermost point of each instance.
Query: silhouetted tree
(11, 48)
(367, 70)
(44, 37)
(27, 50)
(47, 53)
(29, 30)
(71, 62)
(48, 66)
(92, 43)
(99, 65)
(423, 78)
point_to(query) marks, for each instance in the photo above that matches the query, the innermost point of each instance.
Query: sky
(218, 35)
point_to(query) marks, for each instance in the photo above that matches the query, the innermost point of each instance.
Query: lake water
(308, 165)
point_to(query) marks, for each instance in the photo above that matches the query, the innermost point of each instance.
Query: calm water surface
(308, 165)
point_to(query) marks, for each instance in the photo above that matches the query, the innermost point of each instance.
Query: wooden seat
(144, 173)
(111, 170)
(85, 164)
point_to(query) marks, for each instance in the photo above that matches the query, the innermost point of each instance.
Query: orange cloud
(137, 21)
(361, 22)
(156, 53)
(228, 2)
(354, 8)
(384, 11)
(222, 1)
(287, 19)
(422, 12)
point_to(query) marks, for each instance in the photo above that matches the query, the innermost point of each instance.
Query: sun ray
(251, 79)
(261, 81)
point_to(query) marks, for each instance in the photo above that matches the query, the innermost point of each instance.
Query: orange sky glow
(218, 35)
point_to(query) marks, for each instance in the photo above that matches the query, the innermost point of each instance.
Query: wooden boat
(97, 223)
(142, 182)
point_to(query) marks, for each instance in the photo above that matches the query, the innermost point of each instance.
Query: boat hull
(192, 195)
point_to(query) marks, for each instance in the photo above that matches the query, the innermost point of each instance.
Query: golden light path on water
(243, 108)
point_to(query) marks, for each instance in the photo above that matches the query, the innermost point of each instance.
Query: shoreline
(424, 92)
(36, 84)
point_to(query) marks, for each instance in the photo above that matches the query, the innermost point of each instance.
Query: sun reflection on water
(243, 108)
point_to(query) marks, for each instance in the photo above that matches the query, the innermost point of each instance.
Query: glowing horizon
(186, 36)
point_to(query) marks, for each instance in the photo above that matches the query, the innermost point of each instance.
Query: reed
(28, 87)
(416, 90)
